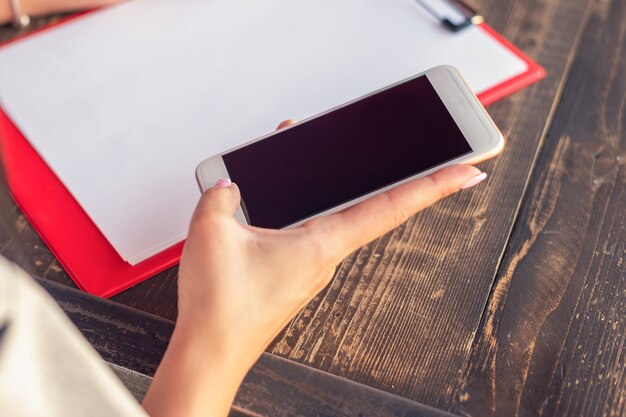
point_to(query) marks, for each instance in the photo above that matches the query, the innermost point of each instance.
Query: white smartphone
(336, 159)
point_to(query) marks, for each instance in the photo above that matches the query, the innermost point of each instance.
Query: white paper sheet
(125, 102)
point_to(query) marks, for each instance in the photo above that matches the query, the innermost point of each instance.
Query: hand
(240, 285)
(46, 7)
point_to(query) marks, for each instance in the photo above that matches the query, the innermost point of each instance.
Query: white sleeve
(47, 368)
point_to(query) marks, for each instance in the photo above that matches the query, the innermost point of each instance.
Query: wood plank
(279, 387)
(9, 223)
(134, 343)
(553, 341)
(137, 383)
(401, 314)
(123, 336)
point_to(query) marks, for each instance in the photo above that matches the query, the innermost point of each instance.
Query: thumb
(223, 198)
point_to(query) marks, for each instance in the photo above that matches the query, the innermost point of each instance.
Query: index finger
(348, 230)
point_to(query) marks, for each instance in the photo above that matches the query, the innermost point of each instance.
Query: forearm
(27, 7)
(45, 7)
(5, 12)
(195, 378)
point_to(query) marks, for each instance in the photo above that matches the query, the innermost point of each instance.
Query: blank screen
(345, 154)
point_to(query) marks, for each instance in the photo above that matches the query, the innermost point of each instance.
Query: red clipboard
(74, 239)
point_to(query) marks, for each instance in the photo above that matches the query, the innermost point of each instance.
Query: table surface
(509, 299)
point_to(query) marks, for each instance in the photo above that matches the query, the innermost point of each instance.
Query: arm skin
(5, 12)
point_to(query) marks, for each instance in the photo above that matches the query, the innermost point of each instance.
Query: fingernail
(222, 183)
(475, 181)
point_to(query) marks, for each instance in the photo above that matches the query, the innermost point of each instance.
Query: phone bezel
(471, 117)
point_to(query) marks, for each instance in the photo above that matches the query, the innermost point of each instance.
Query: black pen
(453, 14)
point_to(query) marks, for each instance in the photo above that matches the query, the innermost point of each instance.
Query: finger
(285, 123)
(356, 226)
(223, 198)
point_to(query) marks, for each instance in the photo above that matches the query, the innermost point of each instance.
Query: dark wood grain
(552, 342)
(7, 32)
(401, 314)
(279, 387)
(133, 341)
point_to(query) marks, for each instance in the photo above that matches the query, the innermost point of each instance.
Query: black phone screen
(345, 154)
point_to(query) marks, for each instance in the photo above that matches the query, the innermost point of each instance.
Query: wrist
(196, 377)
(211, 343)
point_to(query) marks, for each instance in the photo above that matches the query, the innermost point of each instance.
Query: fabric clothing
(47, 368)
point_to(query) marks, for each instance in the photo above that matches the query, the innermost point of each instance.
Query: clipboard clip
(455, 15)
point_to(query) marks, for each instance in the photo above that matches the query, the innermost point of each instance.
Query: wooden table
(508, 300)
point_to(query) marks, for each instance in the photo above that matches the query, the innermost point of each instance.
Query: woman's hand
(240, 285)
(46, 7)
